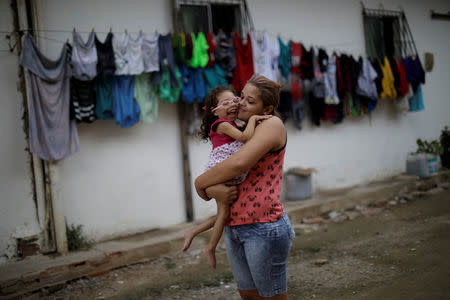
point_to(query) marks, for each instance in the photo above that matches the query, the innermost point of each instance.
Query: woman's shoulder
(273, 122)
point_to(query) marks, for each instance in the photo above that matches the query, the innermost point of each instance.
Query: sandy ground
(398, 252)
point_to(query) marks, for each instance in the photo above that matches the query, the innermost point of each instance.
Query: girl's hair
(269, 91)
(208, 116)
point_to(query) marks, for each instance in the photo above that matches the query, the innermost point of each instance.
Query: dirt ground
(399, 251)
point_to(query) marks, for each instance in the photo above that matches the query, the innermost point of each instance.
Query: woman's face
(251, 104)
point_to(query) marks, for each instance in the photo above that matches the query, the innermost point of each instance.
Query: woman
(258, 234)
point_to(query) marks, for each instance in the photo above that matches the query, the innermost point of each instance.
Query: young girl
(219, 127)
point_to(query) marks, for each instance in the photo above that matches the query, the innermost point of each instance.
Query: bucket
(416, 164)
(298, 184)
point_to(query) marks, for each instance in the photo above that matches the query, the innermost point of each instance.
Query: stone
(333, 214)
(351, 214)
(372, 211)
(320, 261)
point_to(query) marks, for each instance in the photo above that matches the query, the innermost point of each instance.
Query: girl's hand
(260, 118)
(222, 193)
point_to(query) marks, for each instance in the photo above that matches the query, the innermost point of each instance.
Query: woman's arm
(269, 135)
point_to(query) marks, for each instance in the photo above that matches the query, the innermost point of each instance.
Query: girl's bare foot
(210, 255)
(188, 237)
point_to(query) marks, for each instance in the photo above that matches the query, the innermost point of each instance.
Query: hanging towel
(125, 108)
(53, 136)
(128, 55)
(211, 48)
(105, 56)
(146, 97)
(82, 100)
(84, 57)
(284, 60)
(150, 53)
(262, 62)
(166, 58)
(104, 97)
(244, 62)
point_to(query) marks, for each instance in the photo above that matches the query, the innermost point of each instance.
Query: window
(212, 16)
(387, 33)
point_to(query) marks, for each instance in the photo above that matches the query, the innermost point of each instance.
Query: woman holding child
(258, 233)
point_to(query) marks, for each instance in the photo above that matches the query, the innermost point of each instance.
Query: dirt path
(399, 252)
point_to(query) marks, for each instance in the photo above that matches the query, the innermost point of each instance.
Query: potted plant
(445, 144)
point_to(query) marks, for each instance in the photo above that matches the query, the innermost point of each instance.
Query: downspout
(182, 121)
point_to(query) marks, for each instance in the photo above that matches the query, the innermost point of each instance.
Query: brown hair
(208, 116)
(269, 91)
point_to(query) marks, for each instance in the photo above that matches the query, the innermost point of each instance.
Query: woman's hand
(260, 118)
(223, 193)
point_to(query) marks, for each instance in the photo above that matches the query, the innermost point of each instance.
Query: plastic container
(416, 164)
(298, 184)
(432, 163)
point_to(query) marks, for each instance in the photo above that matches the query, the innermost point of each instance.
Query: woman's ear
(268, 110)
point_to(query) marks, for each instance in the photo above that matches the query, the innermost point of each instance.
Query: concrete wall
(123, 180)
(17, 209)
(129, 180)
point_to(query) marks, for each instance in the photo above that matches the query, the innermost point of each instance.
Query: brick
(372, 211)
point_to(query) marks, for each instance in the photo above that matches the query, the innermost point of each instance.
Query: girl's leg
(190, 233)
(223, 210)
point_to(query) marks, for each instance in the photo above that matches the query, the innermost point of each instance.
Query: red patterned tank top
(259, 195)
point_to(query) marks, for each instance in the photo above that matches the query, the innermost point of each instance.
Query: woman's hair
(208, 116)
(269, 91)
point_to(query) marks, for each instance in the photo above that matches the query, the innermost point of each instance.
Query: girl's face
(251, 104)
(227, 106)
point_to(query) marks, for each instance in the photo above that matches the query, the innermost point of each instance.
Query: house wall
(18, 216)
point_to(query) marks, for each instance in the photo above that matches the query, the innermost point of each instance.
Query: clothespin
(110, 29)
(93, 29)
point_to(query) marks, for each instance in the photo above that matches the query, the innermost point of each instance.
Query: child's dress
(224, 146)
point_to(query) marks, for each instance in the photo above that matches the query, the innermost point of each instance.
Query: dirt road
(399, 251)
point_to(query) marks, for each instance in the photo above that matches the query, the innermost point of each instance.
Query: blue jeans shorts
(258, 255)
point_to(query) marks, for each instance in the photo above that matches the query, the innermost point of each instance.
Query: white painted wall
(123, 180)
(360, 149)
(17, 208)
(129, 180)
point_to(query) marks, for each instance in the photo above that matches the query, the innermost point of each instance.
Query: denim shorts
(258, 255)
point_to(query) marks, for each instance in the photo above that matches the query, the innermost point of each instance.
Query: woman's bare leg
(190, 233)
(223, 210)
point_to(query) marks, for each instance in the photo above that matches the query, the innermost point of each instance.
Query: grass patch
(76, 239)
(313, 249)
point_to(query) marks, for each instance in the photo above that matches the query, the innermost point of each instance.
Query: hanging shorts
(258, 255)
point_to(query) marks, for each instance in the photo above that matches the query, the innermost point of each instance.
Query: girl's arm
(242, 136)
(269, 135)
